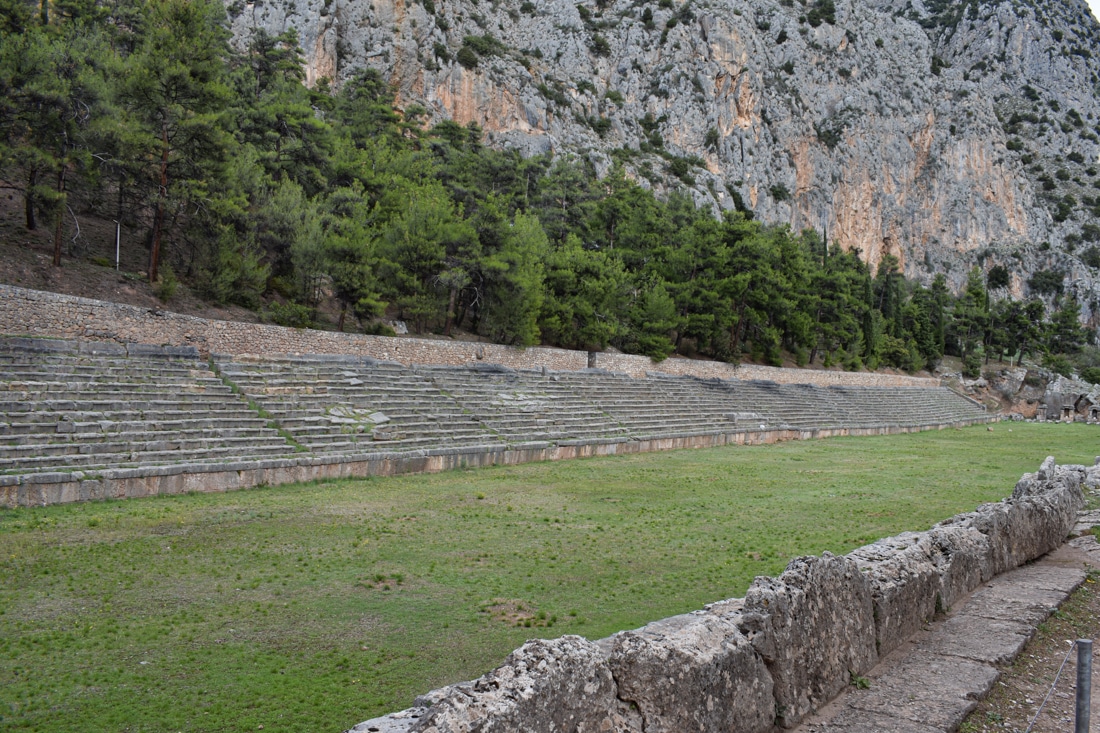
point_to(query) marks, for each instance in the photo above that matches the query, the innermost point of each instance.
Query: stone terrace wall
(772, 658)
(50, 315)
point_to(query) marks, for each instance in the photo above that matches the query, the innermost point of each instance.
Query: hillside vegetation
(259, 191)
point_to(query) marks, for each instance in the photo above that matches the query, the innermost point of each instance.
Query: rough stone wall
(50, 315)
(772, 658)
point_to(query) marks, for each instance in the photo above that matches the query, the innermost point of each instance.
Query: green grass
(314, 607)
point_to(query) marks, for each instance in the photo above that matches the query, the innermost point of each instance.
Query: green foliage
(1091, 256)
(295, 315)
(1046, 282)
(467, 57)
(166, 287)
(997, 277)
(822, 11)
(485, 45)
(1059, 364)
(600, 45)
(250, 185)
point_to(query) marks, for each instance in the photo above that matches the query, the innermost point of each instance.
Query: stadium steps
(80, 407)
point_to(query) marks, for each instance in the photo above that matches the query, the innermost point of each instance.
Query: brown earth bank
(88, 264)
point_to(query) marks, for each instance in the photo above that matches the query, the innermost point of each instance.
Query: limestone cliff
(946, 134)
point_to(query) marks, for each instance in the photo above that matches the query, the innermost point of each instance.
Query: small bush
(1059, 364)
(822, 11)
(972, 365)
(1091, 257)
(1091, 375)
(779, 192)
(467, 57)
(377, 328)
(1046, 282)
(294, 315)
(711, 139)
(601, 125)
(167, 284)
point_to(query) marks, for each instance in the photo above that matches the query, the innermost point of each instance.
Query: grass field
(314, 607)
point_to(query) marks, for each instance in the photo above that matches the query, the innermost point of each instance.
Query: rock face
(946, 134)
(814, 626)
(1041, 512)
(683, 672)
(544, 686)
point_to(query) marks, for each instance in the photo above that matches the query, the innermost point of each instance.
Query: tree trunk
(737, 331)
(450, 312)
(59, 224)
(158, 217)
(28, 201)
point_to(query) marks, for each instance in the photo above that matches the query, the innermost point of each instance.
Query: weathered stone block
(814, 627)
(962, 557)
(695, 672)
(560, 686)
(905, 585)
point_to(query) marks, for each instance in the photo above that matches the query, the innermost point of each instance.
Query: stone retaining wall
(786, 649)
(50, 315)
(41, 489)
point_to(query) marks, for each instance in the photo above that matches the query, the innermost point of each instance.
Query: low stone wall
(774, 657)
(50, 315)
(41, 489)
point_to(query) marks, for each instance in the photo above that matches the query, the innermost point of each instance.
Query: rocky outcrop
(559, 685)
(948, 135)
(682, 672)
(781, 653)
(1037, 518)
(814, 627)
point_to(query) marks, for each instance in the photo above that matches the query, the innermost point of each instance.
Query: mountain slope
(946, 135)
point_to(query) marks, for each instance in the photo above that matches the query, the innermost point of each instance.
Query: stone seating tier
(80, 407)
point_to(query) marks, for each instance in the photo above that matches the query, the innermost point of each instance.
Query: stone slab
(993, 641)
(1088, 545)
(400, 722)
(1014, 603)
(859, 721)
(933, 690)
(1064, 580)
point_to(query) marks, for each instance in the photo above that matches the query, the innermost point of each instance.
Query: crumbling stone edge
(772, 658)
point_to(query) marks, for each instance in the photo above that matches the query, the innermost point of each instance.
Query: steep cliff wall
(945, 134)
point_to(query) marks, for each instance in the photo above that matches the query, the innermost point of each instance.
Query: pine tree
(174, 91)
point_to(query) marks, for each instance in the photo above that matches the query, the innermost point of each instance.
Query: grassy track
(313, 607)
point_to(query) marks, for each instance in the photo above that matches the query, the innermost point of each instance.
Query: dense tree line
(255, 188)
